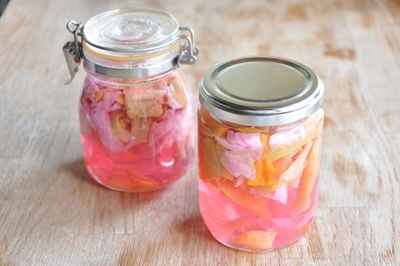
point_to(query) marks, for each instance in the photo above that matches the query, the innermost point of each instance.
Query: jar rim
(261, 91)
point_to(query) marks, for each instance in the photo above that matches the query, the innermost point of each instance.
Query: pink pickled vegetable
(244, 148)
(279, 195)
(217, 202)
(287, 137)
(239, 163)
(171, 127)
(101, 121)
(249, 140)
(241, 140)
(260, 191)
(133, 138)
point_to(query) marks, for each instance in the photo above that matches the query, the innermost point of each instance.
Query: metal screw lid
(261, 91)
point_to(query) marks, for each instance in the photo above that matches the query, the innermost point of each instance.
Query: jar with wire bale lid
(136, 110)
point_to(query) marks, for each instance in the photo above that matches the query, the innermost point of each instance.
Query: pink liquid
(135, 169)
(258, 187)
(227, 220)
(163, 155)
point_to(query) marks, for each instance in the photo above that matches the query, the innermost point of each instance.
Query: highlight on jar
(136, 111)
(260, 127)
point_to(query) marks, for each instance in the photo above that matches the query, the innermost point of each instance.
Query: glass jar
(136, 112)
(260, 126)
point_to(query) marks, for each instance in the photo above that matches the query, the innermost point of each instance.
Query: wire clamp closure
(189, 51)
(73, 49)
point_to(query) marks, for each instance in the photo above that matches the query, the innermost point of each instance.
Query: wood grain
(51, 213)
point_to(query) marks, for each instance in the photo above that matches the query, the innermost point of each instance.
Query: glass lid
(131, 30)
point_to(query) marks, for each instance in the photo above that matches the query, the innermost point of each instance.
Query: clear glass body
(137, 135)
(258, 185)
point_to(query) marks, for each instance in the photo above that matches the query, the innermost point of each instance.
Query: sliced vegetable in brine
(255, 239)
(307, 179)
(138, 137)
(269, 172)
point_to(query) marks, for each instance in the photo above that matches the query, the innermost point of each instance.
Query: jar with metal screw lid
(260, 126)
(135, 109)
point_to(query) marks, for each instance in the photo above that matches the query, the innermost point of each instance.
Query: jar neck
(129, 82)
(141, 66)
(317, 115)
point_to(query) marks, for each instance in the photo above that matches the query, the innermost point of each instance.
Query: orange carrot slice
(269, 171)
(259, 175)
(282, 164)
(279, 166)
(264, 174)
(285, 172)
(264, 139)
(131, 183)
(118, 124)
(310, 173)
(305, 228)
(252, 129)
(255, 239)
(241, 196)
(265, 190)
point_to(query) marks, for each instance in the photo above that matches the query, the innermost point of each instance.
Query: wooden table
(52, 213)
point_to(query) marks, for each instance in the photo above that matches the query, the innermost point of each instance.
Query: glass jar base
(95, 178)
(257, 250)
(132, 191)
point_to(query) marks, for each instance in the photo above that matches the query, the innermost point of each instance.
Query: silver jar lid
(261, 91)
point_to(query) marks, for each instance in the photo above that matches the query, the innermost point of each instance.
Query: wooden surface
(52, 213)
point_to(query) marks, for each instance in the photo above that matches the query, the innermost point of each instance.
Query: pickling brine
(258, 186)
(140, 137)
(260, 127)
(136, 111)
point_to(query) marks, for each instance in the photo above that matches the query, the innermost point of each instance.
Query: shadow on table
(78, 170)
(194, 227)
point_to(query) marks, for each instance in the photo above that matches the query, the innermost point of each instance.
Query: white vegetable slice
(296, 168)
